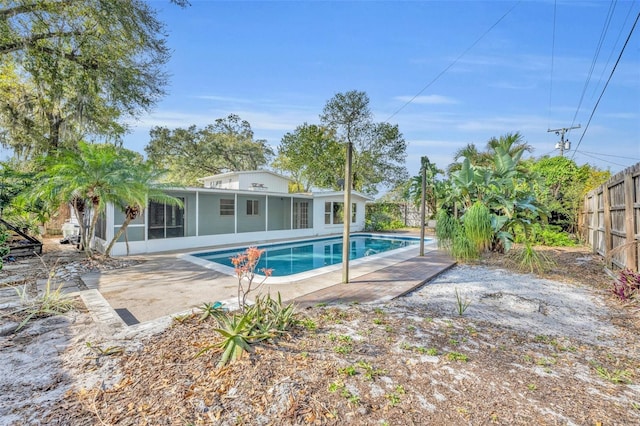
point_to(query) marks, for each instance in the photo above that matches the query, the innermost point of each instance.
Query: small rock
(9, 327)
(12, 279)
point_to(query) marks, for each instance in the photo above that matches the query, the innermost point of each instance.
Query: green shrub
(382, 222)
(463, 248)
(547, 235)
(51, 302)
(530, 260)
(477, 226)
(447, 227)
(453, 238)
(383, 217)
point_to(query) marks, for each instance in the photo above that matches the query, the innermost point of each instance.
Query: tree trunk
(80, 217)
(55, 123)
(115, 238)
(92, 226)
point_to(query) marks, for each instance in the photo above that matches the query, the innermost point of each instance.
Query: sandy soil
(527, 350)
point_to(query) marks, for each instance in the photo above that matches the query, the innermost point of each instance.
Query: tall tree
(311, 155)
(562, 186)
(76, 68)
(192, 153)
(512, 143)
(502, 186)
(434, 188)
(379, 150)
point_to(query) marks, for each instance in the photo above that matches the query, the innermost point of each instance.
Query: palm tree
(145, 185)
(89, 176)
(471, 153)
(414, 188)
(512, 143)
(92, 176)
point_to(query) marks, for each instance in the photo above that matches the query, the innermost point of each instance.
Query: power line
(553, 49)
(607, 83)
(626, 157)
(455, 61)
(622, 27)
(601, 159)
(605, 28)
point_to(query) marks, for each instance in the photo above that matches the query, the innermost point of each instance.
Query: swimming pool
(297, 257)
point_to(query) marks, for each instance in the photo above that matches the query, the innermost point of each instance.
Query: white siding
(261, 181)
(258, 180)
(195, 240)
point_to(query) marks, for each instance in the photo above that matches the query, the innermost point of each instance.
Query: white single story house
(248, 207)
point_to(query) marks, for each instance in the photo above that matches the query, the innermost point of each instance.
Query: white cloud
(621, 115)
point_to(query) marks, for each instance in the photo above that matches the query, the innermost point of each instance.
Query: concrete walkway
(164, 284)
(384, 284)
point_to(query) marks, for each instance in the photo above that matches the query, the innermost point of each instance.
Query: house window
(166, 221)
(338, 213)
(301, 215)
(327, 213)
(101, 226)
(353, 212)
(252, 207)
(333, 213)
(227, 207)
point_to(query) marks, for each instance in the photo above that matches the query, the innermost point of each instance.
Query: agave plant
(263, 320)
(237, 332)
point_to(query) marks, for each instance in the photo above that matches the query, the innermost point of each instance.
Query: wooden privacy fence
(610, 219)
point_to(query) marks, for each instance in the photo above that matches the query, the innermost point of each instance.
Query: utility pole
(563, 145)
(347, 214)
(423, 210)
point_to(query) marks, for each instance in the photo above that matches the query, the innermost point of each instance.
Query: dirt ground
(552, 349)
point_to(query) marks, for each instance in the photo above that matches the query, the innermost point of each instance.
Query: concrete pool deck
(164, 284)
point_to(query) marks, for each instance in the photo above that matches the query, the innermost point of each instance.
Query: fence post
(595, 222)
(608, 243)
(629, 222)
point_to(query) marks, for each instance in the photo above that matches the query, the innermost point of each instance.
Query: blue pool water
(302, 256)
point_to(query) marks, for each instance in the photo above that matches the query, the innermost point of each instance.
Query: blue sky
(275, 64)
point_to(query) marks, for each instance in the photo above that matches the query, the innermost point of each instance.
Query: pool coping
(370, 288)
(165, 286)
(288, 279)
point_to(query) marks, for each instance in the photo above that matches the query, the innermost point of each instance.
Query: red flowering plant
(245, 266)
(627, 285)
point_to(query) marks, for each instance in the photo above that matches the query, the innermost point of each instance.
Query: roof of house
(320, 194)
(242, 172)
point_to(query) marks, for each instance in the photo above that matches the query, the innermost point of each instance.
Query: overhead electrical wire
(553, 50)
(622, 27)
(606, 84)
(611, 155)
(455, 61)
(602, 159)
(605, 28)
